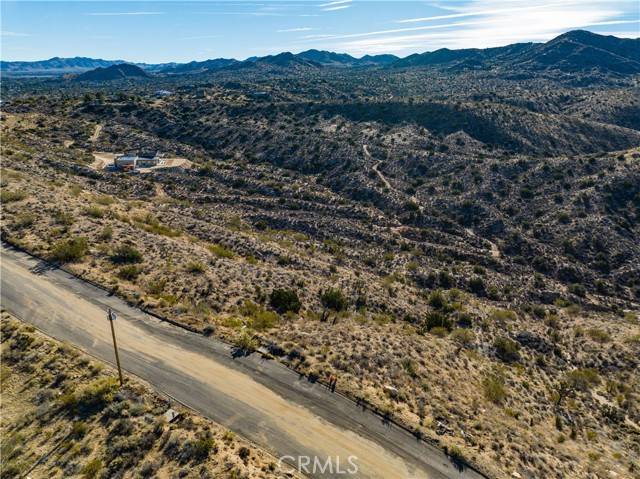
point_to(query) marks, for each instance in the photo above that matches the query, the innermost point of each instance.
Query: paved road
(259, 399)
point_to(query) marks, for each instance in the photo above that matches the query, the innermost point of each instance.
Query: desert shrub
(285, 300)
(409, 367)
(129, 272)
(502, 315)
(581, 379)
(126, 254)
(24, 220)
(64, 218)
(437, 319)
(151, 224)
(106, 234)
(463, 337)
(437, 299)
(221, 251)
(577, 289)
(264, 320)
(92, 468)
(494, 387)
(157, 286)
(195, 267)
(465, 320)
(202, 447)
(8, 196)
(476, 286)
(244, 453)
(94, 212)
(507, 349)
(69, 250)
(439, 331)
(104, 200)
(599, 335)
(333, 299)
(247, 343)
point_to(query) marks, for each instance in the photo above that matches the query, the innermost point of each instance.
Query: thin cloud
(474, 13)
(299, 29)
(14, 34)
(497, 29)
(121, 14)
(331, 9)
(331, 4)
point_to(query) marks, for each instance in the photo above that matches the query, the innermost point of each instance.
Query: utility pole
(111, 316)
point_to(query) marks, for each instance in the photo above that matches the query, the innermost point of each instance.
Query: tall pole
(111, 315)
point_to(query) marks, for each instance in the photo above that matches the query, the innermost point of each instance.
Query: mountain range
(573, 51)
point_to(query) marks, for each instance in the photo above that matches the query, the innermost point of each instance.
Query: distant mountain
(114, 72)
(286, 60)
(384, 59)
(55, 66)
(571, 52)
(576, 51)
(198, 67)
(327, 58)
(582, 50)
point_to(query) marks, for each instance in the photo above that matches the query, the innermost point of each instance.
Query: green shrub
(64, 218)
(333, 299)
(129, 272)
(599, 335)
(577, 289)
(221, 251)
(476, 285)
(92, 468)
(439, 331)
(202, 447)
(494, 387)
(106, 234)
(437, 299)
(502, 315)
(24, 220)
(581, 379)
(69, 250)
(8, 196)
(195, 267)
(436, 319)
(126, 254)
(463, 337)
(285, 300)
(264, 320)
(94, 212)
(247, 343)
(506, 349)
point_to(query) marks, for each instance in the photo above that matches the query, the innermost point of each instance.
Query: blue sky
(164, 31)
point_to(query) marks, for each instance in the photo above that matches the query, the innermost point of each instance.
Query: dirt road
(259, 399)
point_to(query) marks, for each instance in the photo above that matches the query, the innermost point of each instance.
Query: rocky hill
(114, 72)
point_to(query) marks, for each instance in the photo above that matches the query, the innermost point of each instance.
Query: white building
(131, 162)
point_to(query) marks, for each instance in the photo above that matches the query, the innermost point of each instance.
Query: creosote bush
(70, 250)
(285, 300)
(126, 254)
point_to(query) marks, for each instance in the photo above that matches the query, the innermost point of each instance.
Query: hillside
(457, 244)
(114, 72)
(65, 409)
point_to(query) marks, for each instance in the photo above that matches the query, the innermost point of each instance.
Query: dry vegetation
(488, 298)
(63, 416)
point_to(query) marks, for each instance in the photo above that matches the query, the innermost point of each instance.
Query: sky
(170, 31)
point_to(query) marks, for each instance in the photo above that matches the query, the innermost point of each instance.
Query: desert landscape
(456, 244)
